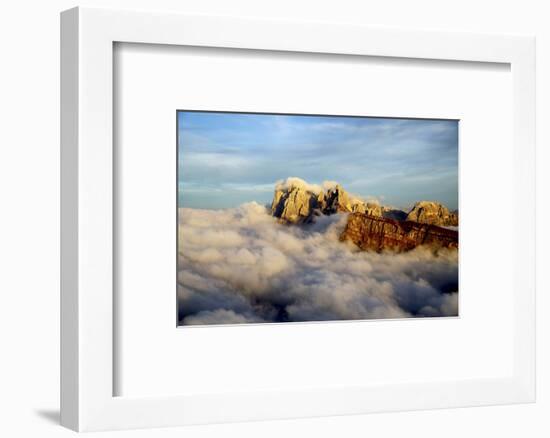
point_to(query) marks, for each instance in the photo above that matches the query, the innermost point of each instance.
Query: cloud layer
(239, 265)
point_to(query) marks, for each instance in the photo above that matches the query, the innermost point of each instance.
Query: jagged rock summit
(296, 202)
(433, 213)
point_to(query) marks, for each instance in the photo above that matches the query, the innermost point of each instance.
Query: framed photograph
(274, 219)
(259, 244)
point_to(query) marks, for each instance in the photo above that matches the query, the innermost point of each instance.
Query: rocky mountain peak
(336, 200)
(433, 213)
(295, 201)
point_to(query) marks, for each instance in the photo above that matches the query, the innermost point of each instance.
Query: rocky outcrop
(379, 233)
(295, 205)
(427, 212)
(337, 200)
(296, 201)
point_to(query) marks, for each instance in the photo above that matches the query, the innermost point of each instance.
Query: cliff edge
(378, 233)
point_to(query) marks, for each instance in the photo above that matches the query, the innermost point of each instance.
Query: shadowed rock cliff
(378, 233)
(394, 213)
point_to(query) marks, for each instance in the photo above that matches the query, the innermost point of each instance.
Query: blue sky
(226, 159)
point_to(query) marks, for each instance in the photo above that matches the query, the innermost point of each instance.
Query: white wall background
(29, 218)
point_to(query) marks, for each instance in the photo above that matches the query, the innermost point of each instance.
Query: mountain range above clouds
(297, 202)
(370, 225)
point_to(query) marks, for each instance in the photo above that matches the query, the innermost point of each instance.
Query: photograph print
(300, 218)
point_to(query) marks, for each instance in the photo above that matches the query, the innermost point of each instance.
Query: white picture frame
(87, 318)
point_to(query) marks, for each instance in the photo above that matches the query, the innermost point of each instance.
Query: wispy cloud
(402, 160)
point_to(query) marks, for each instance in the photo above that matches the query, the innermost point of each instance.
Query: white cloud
(293, 181)
(219, 316)
(241, 265)
(329, 185)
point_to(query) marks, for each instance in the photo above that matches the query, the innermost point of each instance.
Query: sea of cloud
(240, 265)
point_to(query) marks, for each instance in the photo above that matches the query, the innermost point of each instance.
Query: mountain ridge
(296, 202)
(370, 226)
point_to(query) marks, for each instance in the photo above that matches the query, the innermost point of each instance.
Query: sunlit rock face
(297, 202)
(379, 234)
(427, 212)
(336, 200)
(295, 205)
